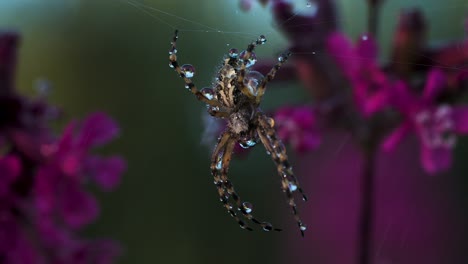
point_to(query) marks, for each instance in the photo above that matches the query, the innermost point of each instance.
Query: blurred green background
(108, 55)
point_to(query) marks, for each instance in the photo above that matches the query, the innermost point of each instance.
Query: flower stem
(372, 19)
(367, 209)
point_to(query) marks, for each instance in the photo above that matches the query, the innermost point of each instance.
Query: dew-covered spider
(235, 96)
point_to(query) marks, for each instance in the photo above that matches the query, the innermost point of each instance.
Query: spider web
(241, 27)
(236, 28)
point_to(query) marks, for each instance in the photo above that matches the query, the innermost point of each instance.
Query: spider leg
(270, 76)
(187, 79)
(275, 147)
(219, 168)
(245, 60)
(219, 114)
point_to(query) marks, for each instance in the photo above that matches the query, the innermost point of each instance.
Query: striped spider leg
(276, 149)
(235, 97)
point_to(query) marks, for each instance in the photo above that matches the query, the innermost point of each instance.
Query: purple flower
(43, 177)
(436, 125)
(10, 169)
(59, 182)
(359, 65)
(298, 126)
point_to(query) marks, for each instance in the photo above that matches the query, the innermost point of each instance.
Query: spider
(235, 96)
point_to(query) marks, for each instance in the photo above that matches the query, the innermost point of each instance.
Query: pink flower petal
(375, 103)
(10, 169)
(106, 172)
(402, 98)
(307, 142)
(24, 252)
(460, 119)
(435, 82)
(392, 140)
(341, 48)
(436, 160)
(97, 129)
(45, 189)
(367, 49)
(52, 235)
(77, 207)
(65, 144)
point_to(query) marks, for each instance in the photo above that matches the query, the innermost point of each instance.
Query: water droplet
(171, 66)
(364, 37)
(268, 152)
(248, 207)
(233, 53)
(172, 51)
(262, 39)
(252, 59)
(208, 93)
(267, 226)
(252, 80)
(309, 4)
(188, 70)
(187, 87)
(219, 165)
(283, 57)
(302, 227)
(292, 187)
(248, 144)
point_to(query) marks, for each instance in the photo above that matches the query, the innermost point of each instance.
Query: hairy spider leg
(277, 151)
(242, 71)
(220, 172)
(270, 76)
(243, 207)
(220, 160)
(188, 82)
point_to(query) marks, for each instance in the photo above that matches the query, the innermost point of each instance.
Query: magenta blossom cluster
(298, 127)
(416, 92)
(44, 203)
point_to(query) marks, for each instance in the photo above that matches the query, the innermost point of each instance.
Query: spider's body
(235, 96)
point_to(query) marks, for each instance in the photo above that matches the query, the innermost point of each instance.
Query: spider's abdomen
(240, 121)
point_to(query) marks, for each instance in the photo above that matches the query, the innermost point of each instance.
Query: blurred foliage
(111, 56)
